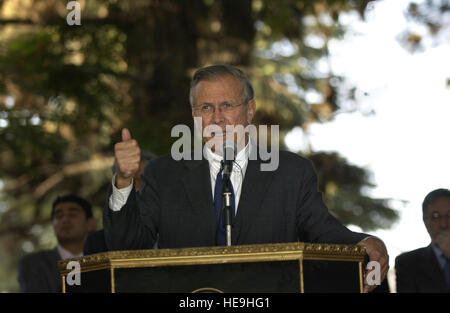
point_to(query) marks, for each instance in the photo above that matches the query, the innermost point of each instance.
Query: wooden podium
(284, 267)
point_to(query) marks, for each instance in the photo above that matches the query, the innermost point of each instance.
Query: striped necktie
(219, 203)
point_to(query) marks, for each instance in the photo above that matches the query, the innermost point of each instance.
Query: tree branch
(96, 163)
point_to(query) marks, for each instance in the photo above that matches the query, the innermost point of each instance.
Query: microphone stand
(228, 209)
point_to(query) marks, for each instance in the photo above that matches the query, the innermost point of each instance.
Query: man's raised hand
(128, 157)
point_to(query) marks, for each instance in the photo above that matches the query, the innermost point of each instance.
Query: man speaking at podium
(179, 202)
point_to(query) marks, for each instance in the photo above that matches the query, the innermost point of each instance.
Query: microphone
(229, 152)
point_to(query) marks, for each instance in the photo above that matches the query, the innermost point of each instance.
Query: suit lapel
(55, 254)
(54, 270)
(433, 270)
(197, 183)
(254, 187)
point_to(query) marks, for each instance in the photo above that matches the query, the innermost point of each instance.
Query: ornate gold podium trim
(218, 255)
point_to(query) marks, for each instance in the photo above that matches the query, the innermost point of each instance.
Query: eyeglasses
(208, 109)
(435, 216)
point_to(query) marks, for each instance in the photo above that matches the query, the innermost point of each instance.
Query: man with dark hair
(72, 220)
(428, 269)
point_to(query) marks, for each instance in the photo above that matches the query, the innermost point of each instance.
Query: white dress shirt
(237, 173)
(119, 197)
(65, 254)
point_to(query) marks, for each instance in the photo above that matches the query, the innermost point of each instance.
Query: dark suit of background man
(176, 198)
(428, 269)
(72, 220)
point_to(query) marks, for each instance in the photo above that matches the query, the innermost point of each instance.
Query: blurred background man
(428, 269)
(72, 221)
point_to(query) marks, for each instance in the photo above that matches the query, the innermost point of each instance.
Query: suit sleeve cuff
(119, 197)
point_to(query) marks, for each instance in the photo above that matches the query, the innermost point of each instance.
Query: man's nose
(65, 218)
(443, 222)
(218, 116)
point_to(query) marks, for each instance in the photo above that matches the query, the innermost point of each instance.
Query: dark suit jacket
(95, 243)
(175, 201)
(38, 272)
(419, 271)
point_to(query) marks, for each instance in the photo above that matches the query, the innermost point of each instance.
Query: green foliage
(345, 188)
(427, 20)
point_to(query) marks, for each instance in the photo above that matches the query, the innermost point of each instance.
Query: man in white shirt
(72, 221)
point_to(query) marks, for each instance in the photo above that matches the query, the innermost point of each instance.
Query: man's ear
(251, 109)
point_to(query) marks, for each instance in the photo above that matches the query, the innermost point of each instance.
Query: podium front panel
(280, 276)
(285, 267)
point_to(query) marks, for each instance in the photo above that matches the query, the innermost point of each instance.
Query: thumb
(126, 134)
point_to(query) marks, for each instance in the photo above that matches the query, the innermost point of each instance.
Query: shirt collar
(241, 157)
(65, 254)
(439, 255)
